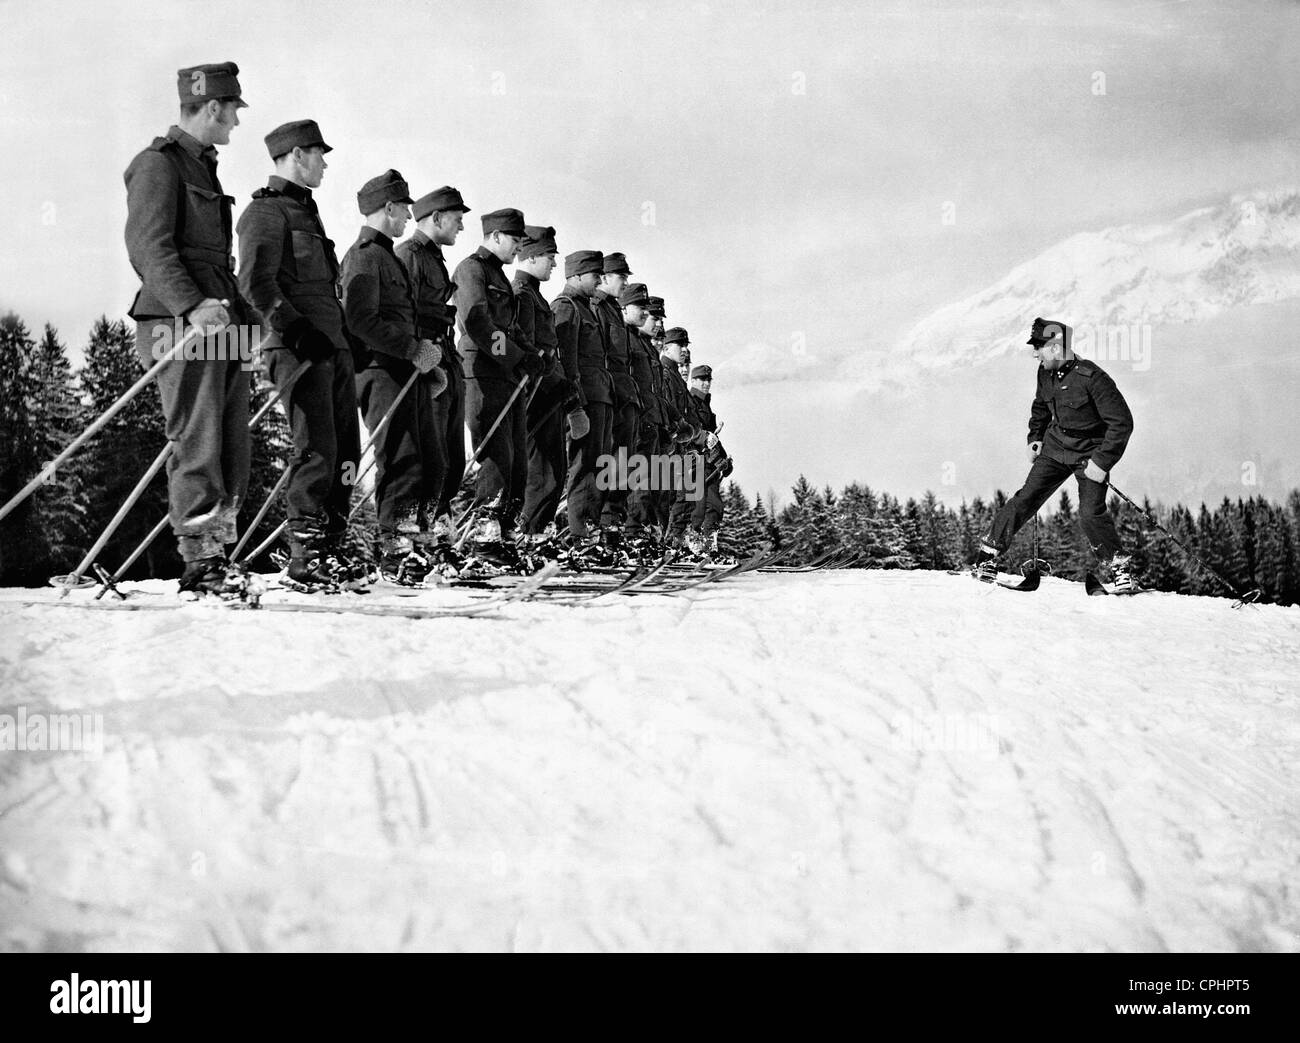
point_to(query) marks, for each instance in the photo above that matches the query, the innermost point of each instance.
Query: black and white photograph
(676, 478)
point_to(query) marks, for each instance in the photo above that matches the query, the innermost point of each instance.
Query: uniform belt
(216, 258)
(1090, 432)
(317, 289)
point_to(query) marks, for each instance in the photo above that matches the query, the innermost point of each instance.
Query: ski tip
(1094, 586)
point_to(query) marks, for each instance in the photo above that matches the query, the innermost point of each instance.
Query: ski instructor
(1079, 424)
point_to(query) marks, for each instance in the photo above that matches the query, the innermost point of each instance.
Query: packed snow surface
(822, 761)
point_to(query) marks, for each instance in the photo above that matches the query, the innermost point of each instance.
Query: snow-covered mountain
(1242, 252)
(1195, 318)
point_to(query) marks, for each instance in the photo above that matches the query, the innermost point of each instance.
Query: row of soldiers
(556, 397)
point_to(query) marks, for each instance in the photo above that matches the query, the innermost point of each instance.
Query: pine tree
(114, 460)
(21, 547)
(55, 409)
(270, 452)
(807, 528)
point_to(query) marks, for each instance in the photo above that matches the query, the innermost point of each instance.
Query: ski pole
(254, 420)
(497, 422)
(280, 483)
(374, 437)
(71, 579)
(99, 424)
(1242, 599)
(483, 444)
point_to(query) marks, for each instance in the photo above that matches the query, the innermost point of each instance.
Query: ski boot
(694, 541)
(216, 578)
(487, 554)
(1121, 572)
(985, 566)
(445, 563)
(399, 561)
(353, 560)
(584, 553)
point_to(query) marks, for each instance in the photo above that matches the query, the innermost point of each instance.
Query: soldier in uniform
(289, 274)
(666, 427)
(556, 394)
(495, 366)
(439, 219)
(1079, 424)
(582, 356)
(388, 351)
(707, 514)
(688, 433)
(643, 361)
(627, 399)
(179, 240)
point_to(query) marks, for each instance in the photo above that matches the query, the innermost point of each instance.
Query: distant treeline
(1251, 542)
(44, 404)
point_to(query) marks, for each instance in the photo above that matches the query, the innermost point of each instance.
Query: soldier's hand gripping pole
(374, 437)
(1242, 598)
(98, 425)
(144, 545)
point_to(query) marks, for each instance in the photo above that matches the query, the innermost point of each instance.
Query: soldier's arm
(261, 250)
(153, 193)
(1039, 416)
(566, 343)
(1115, 414)
(361, 307)
(524, 332)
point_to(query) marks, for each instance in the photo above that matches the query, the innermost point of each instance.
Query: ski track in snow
(843, 760)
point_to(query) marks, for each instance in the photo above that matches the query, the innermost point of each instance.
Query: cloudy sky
(801, 182)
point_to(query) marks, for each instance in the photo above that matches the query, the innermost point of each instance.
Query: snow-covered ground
(845, 760)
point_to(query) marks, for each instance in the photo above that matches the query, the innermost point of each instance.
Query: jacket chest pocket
(501, 302)
(205, 217)
(309, 257)
(1074, 408)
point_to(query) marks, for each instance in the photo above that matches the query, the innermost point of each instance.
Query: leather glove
(572, 398)
(308, 343)
(1032, 450)
(210, 315)
(437, 381)
(427, 356)
(533, 365)
(579, 423)
(1094, 473)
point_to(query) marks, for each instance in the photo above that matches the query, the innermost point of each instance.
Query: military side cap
(634, 293)
(298, 134)
(702, 373)
(676, 335)
(205, 82)
(580, 262)
(507, 221)
(656, 307)
(616, 264)
(445, 198)
(388, 187)
(1044, 331)
(539, 240)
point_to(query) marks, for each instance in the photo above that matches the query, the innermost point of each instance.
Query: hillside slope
(879, 761)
